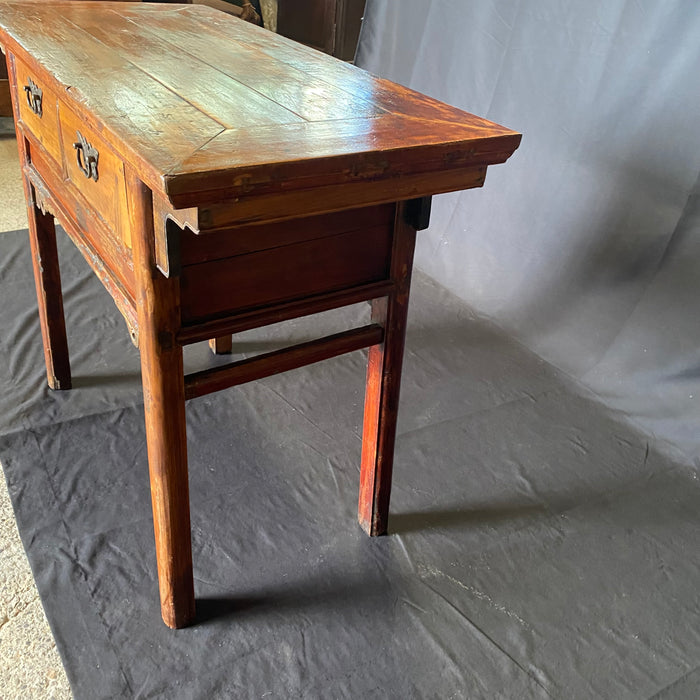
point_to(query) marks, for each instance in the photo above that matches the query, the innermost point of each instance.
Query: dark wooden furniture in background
(332, 26)
(5, 99)
(246, 11)
(217, 178)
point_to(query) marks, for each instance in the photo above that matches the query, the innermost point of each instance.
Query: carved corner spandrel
(168, 226)
(40, 197)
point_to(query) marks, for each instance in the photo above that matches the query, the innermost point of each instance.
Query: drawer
(38, 109)
(71, 209)
(97, 173)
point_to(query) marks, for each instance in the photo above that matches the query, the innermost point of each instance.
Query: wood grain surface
(207, 107)
(237, 180)
(383, 385)
(267, 364)
(162, 374)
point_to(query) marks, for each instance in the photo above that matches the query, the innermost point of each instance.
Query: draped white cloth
(586, 244)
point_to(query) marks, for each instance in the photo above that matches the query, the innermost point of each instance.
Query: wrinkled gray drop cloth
(538, 548)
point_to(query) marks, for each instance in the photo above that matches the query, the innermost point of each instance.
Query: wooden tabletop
(209, 107)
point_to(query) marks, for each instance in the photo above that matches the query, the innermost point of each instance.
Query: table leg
(383, 385)
(222, 345)
(162, 375)
(47, 277)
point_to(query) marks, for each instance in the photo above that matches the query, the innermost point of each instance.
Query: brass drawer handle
(87, 156)
(34, 94)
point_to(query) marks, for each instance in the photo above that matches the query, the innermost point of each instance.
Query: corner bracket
(417, 212)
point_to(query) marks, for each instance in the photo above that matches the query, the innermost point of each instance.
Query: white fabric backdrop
(586, 244)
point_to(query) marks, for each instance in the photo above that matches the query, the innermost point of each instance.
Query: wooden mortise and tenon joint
(225, 204)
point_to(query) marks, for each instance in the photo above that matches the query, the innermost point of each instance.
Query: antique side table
(218, 178)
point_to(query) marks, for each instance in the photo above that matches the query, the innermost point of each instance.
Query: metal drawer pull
(34, 95)
(87, 157)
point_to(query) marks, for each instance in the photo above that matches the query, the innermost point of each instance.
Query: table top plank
(261, 73)
(213, 92)
(112, 93)
(356, 83)
(335, 152)
(207, 106)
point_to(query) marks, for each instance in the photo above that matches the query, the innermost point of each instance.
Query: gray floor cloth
(539, 547)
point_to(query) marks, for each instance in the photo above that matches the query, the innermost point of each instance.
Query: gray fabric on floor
(586, 244)
(538, 548)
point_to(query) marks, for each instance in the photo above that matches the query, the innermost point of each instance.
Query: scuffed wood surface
(207, 107)
(218, 178)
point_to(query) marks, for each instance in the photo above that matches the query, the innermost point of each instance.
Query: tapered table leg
(47, 277)
(223, 345)
(383, 385)
(164, 403)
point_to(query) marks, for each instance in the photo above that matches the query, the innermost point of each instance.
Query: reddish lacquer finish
(218, 178)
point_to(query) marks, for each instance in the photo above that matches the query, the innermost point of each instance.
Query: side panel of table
(228, 271)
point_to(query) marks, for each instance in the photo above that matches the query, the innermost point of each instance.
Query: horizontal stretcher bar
(218, 378)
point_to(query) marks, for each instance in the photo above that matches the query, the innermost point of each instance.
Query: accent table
(217, 178)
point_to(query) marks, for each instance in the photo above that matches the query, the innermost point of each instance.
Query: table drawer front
(38, 109)
(286, 273)
(76, 211)
(96, 172)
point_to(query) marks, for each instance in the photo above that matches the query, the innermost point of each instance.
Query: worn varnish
(284, 83)
(217, 178)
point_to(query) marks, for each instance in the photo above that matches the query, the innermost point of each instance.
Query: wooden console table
(218, 178)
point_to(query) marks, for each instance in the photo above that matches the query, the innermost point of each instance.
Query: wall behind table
(586, 244)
